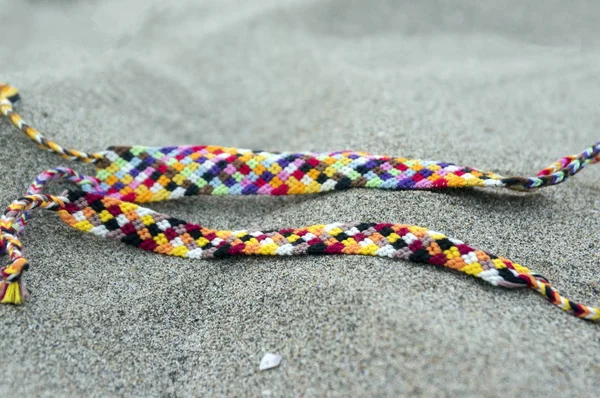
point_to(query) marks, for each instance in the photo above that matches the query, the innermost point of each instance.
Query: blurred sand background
(509, 86)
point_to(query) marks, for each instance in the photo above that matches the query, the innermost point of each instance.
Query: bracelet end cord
(144, 174)
(9, 93)
(9, 96)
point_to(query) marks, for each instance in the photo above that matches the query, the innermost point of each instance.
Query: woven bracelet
(105, 205)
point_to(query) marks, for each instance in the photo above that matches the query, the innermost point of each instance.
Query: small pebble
(269, 361)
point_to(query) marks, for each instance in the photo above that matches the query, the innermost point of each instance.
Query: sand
(507, 86)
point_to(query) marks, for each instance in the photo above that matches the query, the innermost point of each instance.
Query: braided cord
(144, 228)
(8, 96)
(84, 182)
(558, 171)
(12, 286)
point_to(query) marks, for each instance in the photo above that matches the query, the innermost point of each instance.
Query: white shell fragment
(269, 361)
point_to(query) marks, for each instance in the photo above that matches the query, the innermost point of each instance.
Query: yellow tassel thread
(13, 294)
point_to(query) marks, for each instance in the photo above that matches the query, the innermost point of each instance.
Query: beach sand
(504, 86)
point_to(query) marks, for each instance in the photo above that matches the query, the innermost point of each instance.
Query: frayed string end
(12, 288)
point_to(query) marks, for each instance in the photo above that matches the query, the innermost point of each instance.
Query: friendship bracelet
(105, 205)
(147, 174)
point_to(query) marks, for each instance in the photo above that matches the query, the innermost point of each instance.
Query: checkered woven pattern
(146, 229)
(145, 174)
(148, 174)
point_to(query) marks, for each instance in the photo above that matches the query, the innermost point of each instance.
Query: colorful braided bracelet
(105, 205)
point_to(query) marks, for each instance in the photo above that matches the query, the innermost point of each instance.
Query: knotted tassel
(12, 286)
